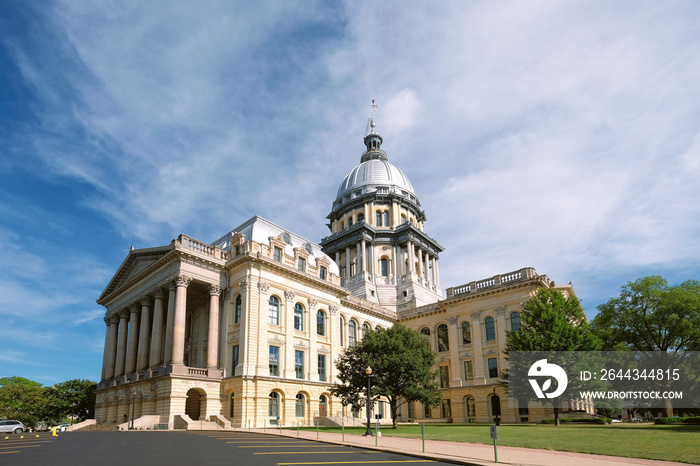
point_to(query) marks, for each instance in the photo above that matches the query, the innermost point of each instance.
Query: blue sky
(563, 136)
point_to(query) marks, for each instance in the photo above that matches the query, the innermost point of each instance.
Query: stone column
(426, 266)
(156, 355)
(170, 323)
(337, 259)
(312, 367)
(358, 255)
(364, 255)
(436, 272)
(144, 334)
(347, 262)
(182, 282)
(213, 340)
(455, 340)
(133, 338)
(421, 274)
(411, 260)
(112, 350)
(105, 356)
(479, 376)
(121, 346)
(243, 327)
(287, 320)
(261, 353)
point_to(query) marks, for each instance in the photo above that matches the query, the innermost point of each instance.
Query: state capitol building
(245, 330)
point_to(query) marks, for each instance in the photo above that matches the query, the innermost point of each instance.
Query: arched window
(299, 317)
(425, 334)
(237, 310)
(379, 218)
(299, 407)
(490, 329)
(321, 323)
(342, 331)
(384, 266)
(273, 407)
(274, 310)
(323, 406)
(352, 333)
(470, 406)
(403, 219)
(360, 218)
(515, 321)
(443, 341)
(466, 333)
(349, 222)
(365, 330)
(385, 218)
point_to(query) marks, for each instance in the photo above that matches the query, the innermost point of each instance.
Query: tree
(401, 363)
(22, 399)
(552, 322)
(650, 315)
(76, 397)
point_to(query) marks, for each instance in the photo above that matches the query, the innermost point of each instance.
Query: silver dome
(373, 174)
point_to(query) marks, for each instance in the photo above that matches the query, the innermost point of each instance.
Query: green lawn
(660, 442)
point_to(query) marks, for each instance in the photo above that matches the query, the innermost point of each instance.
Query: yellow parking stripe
(304, 452)
(361, 462)
(6, 452)
(22, 446)
(293, 445)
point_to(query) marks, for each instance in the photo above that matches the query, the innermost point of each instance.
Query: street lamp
(368, 371)
(133, 406)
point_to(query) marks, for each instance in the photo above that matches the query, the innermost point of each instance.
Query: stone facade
(246, 330)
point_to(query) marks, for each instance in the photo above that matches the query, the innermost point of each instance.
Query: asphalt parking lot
(179, 448)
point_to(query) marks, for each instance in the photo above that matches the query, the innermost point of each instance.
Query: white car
(62, 427)
(12, 426)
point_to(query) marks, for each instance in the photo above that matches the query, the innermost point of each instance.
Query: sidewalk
(468, 453)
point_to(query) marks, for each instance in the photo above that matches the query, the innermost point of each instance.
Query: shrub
(677, 420)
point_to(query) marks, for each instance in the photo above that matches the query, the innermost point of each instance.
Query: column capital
(108, 320)
(500, 311)
(476, 316)
(182, 281)
(124, 313)
(146, 300)
(135, 307)
(214, 290)
(244, 284)
(113, 318)
(312, 302)
(159, 292)
(452, 320)
(334, 309)
(289, 295)
(263, 287)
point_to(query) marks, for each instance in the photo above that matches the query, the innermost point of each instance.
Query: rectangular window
(274, 360)
(322, 272)
(493, 368)
(237, 310)
(522, 408)
(468, 370)
(411, 410)
(278, 254)
(234, 362)
(381, 409)
(446, 408)
(444, 377)
(322, 367)
(302, 264)
(426, 411)
(299, 364)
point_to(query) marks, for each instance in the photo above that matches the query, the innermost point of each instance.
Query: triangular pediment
(137, 261)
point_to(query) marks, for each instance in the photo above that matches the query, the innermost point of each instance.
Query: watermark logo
(542, 368)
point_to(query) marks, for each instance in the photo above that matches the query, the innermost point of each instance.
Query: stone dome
(373, 174)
